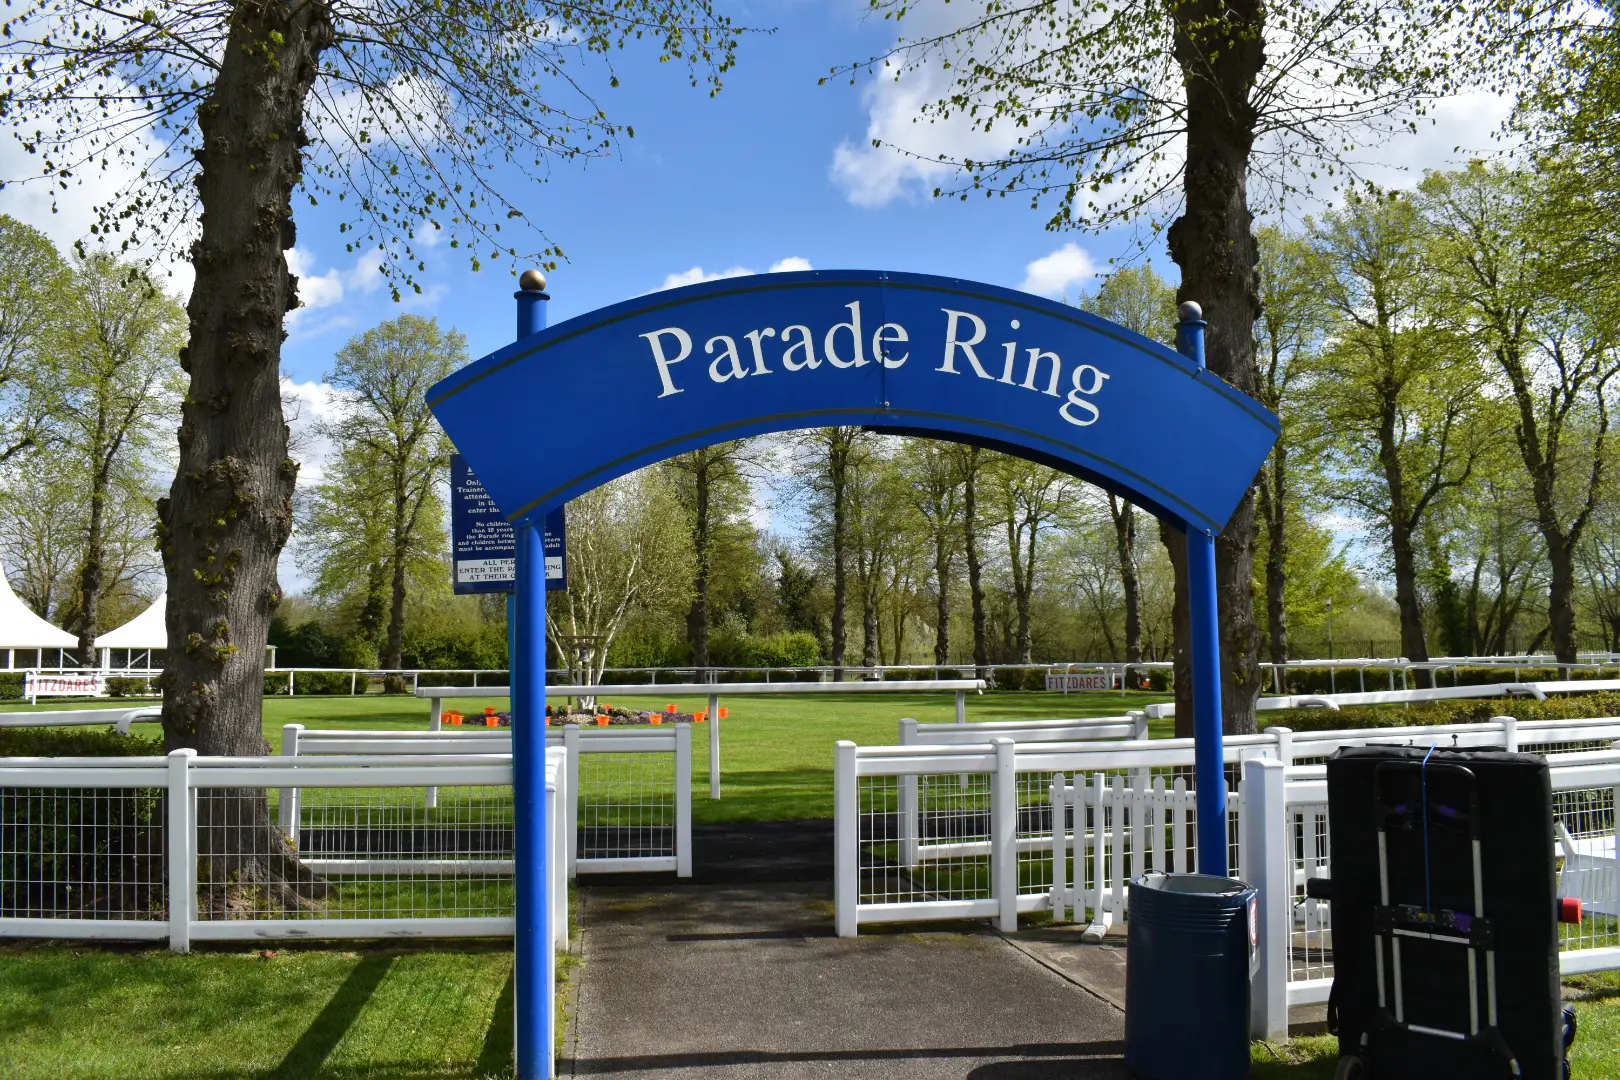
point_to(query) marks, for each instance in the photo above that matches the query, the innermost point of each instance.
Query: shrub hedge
(76, 742)
(11, 686)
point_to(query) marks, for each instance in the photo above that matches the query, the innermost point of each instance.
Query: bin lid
(1200, 884)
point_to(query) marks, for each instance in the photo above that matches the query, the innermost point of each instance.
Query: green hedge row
(76, 742)
(327, 683)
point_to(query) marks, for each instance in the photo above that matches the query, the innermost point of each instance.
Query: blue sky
(745, 180)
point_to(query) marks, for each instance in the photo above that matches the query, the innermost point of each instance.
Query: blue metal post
(1209, 772)
(534, 975)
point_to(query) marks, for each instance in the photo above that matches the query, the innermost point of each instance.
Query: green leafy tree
(34, 282)
(713, 487)
(395, 455)
(933, 474)
(1030, 501)
(623, 558)
(1137, 298)
(1404, 400)
(1555, 344)
(1288, 340)
(113, 386)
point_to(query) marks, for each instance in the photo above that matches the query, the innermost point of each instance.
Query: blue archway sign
(567, 408)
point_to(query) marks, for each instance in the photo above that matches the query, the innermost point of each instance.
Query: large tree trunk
(1124, 515)
(697, 619)
(1561, 598)
(1274, 512)
(1219, 46)
(229, 510)
(393, 656)
(942, 618)
(1414, 640)
(970, 541)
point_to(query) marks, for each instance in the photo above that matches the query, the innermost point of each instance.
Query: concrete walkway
(742, 981)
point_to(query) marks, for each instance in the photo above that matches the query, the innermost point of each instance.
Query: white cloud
(1069, 267)
(697, 274)
(316, 291)
(305, 404)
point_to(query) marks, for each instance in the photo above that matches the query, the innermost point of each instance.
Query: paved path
(734, 982)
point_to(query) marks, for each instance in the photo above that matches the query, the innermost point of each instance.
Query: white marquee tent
(144, 634)
(21, 631)
(141, 639)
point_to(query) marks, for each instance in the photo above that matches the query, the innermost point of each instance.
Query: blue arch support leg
(1209, 772)
(534, 976)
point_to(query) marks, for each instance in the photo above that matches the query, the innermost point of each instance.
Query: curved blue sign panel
(567, 409)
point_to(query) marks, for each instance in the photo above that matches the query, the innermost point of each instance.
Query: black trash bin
(1189, 957)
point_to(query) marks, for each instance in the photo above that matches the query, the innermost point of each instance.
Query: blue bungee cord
(1423, 775)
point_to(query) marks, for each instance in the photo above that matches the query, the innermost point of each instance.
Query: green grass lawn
(100, 1013)
(776, 751)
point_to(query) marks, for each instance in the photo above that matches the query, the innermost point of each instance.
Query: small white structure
(21, 631)
(138, 640)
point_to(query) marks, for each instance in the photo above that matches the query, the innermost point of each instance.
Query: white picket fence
(1538, 690)
(631, 807)
(992, 829)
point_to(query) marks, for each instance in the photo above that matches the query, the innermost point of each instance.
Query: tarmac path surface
(744, 980)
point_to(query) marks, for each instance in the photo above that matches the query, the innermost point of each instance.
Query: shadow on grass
(495, 1059)
(323, 1035)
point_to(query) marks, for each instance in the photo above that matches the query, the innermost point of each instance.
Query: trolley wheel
(1350, 1068)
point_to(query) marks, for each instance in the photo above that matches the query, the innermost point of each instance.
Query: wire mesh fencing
(83, 853)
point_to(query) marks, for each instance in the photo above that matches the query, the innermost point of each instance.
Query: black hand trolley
(1444, 915)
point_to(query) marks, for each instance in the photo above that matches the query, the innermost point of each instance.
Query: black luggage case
(1438, 920)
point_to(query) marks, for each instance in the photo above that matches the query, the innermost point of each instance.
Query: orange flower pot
(492, 721)
(701, 715)
(669, 708)
(724, 712)
(602, 721)
(655, 719)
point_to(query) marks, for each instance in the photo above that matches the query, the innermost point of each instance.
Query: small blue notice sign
(483, 546)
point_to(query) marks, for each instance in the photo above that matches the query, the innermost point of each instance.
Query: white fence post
(683, 798)
(1510, 733)
(1004, 834)
(571, 804)
(1060, 845)
(1139, 724)
(961, 706)
(1285, 743)
(846, 840)
(1268, 867)
(182, 848)
(714, 746)
(287, 811)
(910, 811)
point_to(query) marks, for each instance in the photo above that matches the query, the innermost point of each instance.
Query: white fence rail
(714, 691)
(1285, 819)
(1537, 690)
(182, 849)
(998, 827)
(119, 718)
(631, 807)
